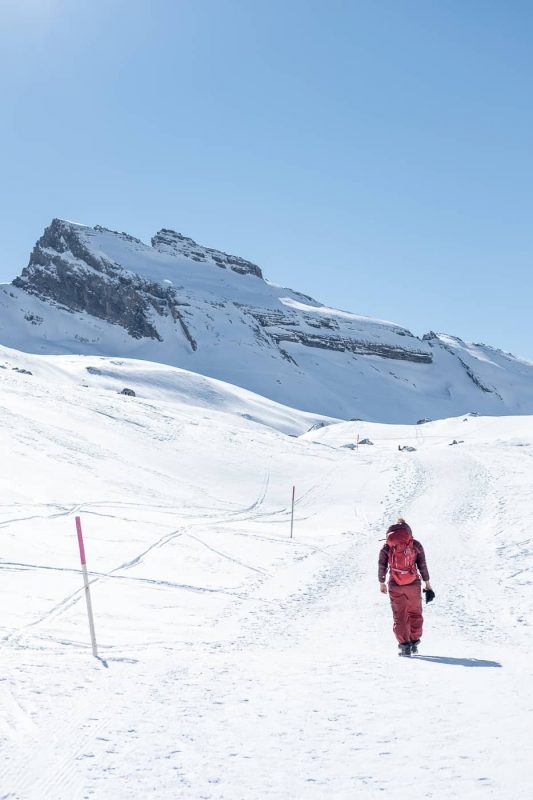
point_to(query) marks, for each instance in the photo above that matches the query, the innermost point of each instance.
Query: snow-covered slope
(241, 663)
(151, 381)
(95, 291)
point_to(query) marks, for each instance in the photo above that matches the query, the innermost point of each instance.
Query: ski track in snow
(74, 598)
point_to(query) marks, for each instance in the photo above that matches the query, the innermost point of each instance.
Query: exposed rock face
(286, 327)
(63, 269)
(175, 244)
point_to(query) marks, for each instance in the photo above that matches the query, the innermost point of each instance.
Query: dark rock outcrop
(63, 270)
(283, 326)
(175, 244)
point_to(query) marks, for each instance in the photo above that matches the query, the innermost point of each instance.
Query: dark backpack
(402, 555)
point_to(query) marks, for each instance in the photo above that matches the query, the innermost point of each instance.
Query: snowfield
(238, 663)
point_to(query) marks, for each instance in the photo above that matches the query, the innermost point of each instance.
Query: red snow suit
(406, 601)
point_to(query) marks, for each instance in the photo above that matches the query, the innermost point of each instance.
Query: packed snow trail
(243, 664)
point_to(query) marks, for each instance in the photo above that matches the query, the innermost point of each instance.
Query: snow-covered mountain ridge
(95, 291)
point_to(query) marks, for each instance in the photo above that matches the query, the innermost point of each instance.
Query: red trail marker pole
(87, 589)
(292, 510)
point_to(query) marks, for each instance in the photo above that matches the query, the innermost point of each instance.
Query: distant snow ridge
(101, 292)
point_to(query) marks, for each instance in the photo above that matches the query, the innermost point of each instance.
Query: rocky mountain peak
(59, 237)
(176, 244)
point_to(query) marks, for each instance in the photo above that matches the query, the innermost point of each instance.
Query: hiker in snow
(404, 557)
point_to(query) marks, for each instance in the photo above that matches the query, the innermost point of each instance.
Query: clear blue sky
(376, 154)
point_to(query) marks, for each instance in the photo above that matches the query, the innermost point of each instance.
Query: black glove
(430, 595)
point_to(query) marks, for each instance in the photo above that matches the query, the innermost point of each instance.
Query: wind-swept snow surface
(241, 663)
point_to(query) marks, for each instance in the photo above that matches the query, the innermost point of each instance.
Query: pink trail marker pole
(357, 441)
(86, 582)
(292, 510)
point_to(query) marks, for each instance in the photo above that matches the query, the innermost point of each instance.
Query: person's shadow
(458, 662)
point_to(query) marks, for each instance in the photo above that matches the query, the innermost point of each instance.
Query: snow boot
(404, 649)
(414, 646)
